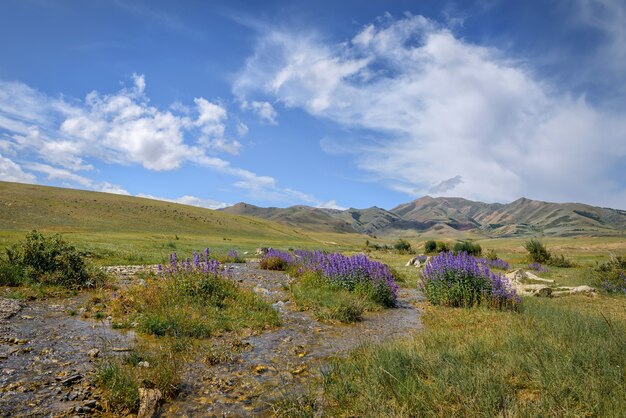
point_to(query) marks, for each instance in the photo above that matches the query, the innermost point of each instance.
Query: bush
(491, 254)
(402, 246)
(276, 260)
(430, 247)
(537, 252)
(273, 263)
(468, 247)
(442, 247)
(47, 259)
(460, 280)
(560, 261)
(611, 276)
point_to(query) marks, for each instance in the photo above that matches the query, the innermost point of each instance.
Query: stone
(71, 380)
(93, 353)
(586, 290)
(149, 402)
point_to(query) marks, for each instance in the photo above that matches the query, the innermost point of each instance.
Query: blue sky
(329, 104)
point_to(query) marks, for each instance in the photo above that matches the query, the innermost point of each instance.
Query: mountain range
(451, 215)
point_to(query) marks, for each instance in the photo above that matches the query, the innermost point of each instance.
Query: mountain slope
(305, 217)
(452, 216)
(521, 217)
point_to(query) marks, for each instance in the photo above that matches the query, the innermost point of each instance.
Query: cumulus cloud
(62, 138)
(439, 109)
(11, 171)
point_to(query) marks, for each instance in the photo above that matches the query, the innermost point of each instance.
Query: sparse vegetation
(121, 377)
(47, 260)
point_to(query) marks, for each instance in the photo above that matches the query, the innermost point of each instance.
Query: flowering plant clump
(538, 267)
(462, 280)
(355, 273)
(276, 260)
(497, 264)
(200, 263)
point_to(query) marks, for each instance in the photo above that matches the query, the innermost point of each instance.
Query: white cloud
(11, 171)
(264, 110)
(59, 137)
(191, 201)
(441, 108)
(55, 173)
(331, 204)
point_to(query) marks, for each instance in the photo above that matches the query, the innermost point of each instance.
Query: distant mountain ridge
(519, 218)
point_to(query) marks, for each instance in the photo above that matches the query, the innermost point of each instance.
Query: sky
(331, 104)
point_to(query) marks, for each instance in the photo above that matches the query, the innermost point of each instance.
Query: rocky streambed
(46, 355)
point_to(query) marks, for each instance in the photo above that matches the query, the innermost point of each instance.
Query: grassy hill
(131, 229)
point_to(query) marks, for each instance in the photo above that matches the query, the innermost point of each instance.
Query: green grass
(192, 305)
(548, 360)
(330, 303)
(121, 377)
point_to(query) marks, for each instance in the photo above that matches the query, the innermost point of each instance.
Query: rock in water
(149, 402)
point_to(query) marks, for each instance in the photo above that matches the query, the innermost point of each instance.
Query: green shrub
(611, 276)
(402, 246)
(430, 247)
(491, 255)
(537, 252)
(469, 247)
(442, 247)
(48, 260)
(559, 261)
(273, 263)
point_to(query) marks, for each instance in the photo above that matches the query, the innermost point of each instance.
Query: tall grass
(543, 361)
(192, 300)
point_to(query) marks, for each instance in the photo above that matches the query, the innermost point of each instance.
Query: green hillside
(131, 229)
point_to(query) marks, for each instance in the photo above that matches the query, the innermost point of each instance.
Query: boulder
(262, 251)
(565, 291)
(149, 402)
(533, 290)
